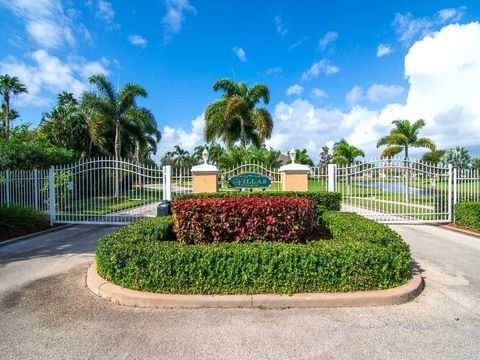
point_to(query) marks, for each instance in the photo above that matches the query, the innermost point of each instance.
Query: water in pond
(395, 187)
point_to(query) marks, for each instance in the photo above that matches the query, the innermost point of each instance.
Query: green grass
(18, 220)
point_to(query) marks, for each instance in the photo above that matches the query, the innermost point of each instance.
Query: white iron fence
(107, 191)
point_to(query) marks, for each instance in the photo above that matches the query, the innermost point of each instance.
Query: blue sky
(329, 65)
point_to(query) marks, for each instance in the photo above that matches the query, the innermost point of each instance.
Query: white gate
(397, 191)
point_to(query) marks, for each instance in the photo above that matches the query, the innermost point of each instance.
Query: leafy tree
(325, 156)
(402, 137)
(237, 155)
(302, 157)
(459, 157)
(433, 156)
(234, 116)
(25, 150)
(215, 151)
(116, 115)
(180, 157)
(9, 85)
(67, 126)
(344, 153)
(477, 164)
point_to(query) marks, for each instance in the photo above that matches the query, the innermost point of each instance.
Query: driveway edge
(127, 297)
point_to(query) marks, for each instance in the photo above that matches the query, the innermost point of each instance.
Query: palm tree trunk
(242, 134)
(6, 116)
(117, 160)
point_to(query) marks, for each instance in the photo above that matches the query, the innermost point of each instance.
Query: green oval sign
(250, 180)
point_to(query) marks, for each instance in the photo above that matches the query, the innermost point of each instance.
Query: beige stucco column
(205, 178)
(295, 177)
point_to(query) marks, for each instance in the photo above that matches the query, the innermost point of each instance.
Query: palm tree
(344, 153)
(9, 84)
(181, 157)
(302, 157)
(404, 136)
(109, 109)
(234, 116)
(215, 151)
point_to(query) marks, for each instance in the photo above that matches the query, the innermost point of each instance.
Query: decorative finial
(205, 155)
(292, 153)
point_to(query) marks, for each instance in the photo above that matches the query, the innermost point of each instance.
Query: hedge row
(467, 214)
(370, 257)
(321, 200)
(18, 220)
(243, 219)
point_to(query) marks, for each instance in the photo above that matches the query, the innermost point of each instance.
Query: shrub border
(126, 297)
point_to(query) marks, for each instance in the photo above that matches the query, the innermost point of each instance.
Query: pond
(395, 187)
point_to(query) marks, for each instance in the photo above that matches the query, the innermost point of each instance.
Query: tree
(458, 157)
(325, 157)
(9, 85)
(302, 157)
(344, 153)
(113, 114)
(234, 116)
(402, 137)
(215, 151)
(67, 126)
(433, 156)
(477, 164)
(180, 157)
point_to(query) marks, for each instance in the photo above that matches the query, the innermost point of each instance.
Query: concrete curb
(463, 231)
(127, 297)
(28, 236)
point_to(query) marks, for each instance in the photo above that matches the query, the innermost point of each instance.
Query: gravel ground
(49, 313)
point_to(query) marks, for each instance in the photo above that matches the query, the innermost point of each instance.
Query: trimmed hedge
(370, 257)
(467, 214)
(321, 200)
(243, 219)
(18, 220)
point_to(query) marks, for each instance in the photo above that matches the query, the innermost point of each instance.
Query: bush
(321, 200)
(243, 219)
(370, 257)
(18, 220)
(467, 214)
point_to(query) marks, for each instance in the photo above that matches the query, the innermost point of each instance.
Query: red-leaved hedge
(243, 219)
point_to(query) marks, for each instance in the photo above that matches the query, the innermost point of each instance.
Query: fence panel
(467, 185)
(318, 178)
(181, 180)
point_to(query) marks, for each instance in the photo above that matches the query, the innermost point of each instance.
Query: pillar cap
(204, 169)
(295, 169)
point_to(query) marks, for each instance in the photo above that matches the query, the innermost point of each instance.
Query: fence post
(332, 177)
(51, 186)
(167, 182)
(35, 189)
(7, 187)
(450, 181)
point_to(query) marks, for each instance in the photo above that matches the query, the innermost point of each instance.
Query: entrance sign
(250, 181)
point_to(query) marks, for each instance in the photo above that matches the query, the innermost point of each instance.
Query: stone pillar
(205, 178)
(295, 177)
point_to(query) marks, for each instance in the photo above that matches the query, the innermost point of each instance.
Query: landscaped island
(237, 244)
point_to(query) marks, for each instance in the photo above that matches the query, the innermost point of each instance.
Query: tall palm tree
(234, 116)
(108, 109)
(402, 137)
(215, 151)
(181, 157)
(344, 153)
(9, 85)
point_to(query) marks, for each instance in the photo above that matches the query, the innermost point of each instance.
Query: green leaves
(467, 214)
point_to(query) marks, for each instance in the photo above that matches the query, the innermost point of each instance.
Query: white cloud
(240, 53)
(381, 92)
(295, 90)
(322, 66)
(137, 40)
(297, 43)
(327, 39)
(45, 21)
(275, 71)
(318, 93)
(46, 75)
(442, 71)
(354, 95)
(384, 50)
(175, 16)
(281, 29)
(409, 28)
(105, 11)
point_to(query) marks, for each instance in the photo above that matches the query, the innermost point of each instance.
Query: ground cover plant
(361, 255)
(18, 220)
(467, 215)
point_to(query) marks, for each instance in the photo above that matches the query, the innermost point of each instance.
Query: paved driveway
(46, 312)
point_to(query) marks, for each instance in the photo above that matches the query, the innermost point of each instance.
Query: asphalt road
(46, 312)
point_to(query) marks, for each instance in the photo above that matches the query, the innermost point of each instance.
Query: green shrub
(18, 220)
(467, 214)
(370, 257)
(321, 200)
